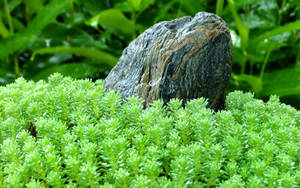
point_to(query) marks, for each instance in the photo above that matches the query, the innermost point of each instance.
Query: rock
(185, 58)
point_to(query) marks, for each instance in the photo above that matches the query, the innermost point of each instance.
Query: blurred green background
(85, 38)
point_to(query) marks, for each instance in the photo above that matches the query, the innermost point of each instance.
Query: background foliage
(85, 38)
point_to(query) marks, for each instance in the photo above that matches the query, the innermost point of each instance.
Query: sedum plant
(71, 133)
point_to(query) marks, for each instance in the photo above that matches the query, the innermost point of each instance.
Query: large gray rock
(186, 58)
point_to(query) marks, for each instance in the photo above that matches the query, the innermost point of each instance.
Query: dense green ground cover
(85, 38)
(71, 133)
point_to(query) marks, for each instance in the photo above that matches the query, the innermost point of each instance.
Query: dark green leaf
(283, 82)
(33, 6)
(268, 9)
(274, 43)
(254, 81)
(6, 75)
(163, 10)
(238, 55)
(20, 40)
(240, 4)
(292, 26)
(258, 22)
(102, 57)
(75, 70)
(18, 25)
(61, 34)
(123, 6)
(192, 6)
(13, 4)
(93, 6)
(145, 4)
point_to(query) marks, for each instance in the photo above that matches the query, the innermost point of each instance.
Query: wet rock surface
(186, 58)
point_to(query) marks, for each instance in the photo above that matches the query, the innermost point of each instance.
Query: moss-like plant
(67, 132)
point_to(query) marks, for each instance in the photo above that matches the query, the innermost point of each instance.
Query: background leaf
(146, 4)
(254, 81)
(19, 41)
(102, 57)
(278, 30)
(242, 29)
(163, 10)
(283, 82)
(135, 4)
(113, 19)
(3, 30)
(192, 6)
(75, 70)
(92, 6)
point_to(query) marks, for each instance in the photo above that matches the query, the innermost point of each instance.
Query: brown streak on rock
(185, 58)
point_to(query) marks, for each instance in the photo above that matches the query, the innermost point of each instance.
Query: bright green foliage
(85, 38)
(71, 133)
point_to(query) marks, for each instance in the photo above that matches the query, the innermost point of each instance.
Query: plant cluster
(39, 37)
(71, 133)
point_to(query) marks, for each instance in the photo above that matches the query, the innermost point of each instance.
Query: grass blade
(242, 29)
(219, 8)
(3, 30)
